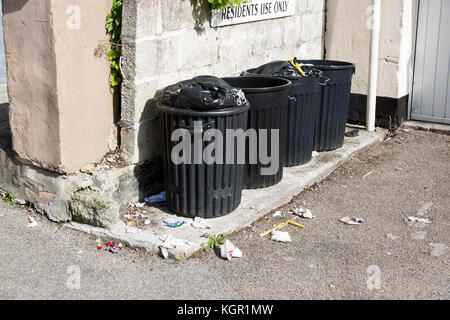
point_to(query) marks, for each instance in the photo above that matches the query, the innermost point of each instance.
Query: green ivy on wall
(114, 30)
(222, 4)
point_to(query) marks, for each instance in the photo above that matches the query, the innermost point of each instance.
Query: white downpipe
(373, 70)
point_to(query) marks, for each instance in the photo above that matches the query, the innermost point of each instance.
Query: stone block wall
(166, 41)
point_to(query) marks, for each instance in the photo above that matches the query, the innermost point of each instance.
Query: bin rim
(202, 114)
(329, 64)
(286, 84)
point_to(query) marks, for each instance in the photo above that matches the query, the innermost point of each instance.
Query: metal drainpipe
(373, 70)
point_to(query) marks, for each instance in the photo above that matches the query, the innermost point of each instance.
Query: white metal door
(431, 88)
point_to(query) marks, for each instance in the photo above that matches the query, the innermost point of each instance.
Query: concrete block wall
(165, 41)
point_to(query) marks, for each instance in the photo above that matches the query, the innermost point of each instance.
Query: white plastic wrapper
(229, 251)
(414, 219)
(280, 236)
(352, 221)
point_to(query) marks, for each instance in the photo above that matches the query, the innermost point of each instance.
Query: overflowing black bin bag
(285, 69)
(278, 69)
(203, 93)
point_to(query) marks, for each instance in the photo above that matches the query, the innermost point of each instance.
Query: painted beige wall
(84, 97)
(31, 76)
(348, 38)
(61, 102)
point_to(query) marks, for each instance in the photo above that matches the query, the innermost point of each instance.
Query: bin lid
(203, 93)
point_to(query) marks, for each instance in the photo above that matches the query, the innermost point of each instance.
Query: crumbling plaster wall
(61, 111)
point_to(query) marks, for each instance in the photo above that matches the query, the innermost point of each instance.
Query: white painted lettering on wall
(253, 10)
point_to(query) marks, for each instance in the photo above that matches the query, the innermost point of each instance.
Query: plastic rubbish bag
(286, 69)
(202, 94)
(161, 197)
(278, 69)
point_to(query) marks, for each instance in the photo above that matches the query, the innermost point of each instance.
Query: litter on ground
(366, 175)
(352, 221)
(199, 223)
(303, 213)
(277, 214)
(279, 227)
(174, 222)
(140, 205)
(20, 202)
(164, 252)
(32, 223)
(352, 134)
(170, 242)
(112, 248)
(420, 220)
(229, 251)
(280, 236)
(161, 197)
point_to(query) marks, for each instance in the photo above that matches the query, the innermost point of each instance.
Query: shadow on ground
(5, 129)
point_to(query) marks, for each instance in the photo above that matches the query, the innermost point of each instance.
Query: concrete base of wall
(93, 197)
(391, 112)
(255, 204)
(428, 126)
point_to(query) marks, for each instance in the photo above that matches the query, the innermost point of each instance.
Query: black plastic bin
(334, 103)
(303, 106)
(202, 190)
(268, 101)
